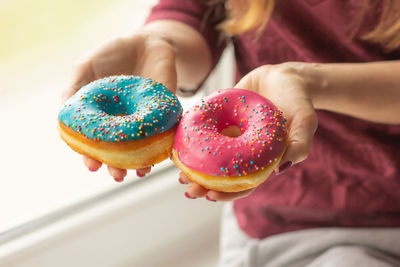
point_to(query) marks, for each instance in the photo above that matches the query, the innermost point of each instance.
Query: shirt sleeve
(197, 14)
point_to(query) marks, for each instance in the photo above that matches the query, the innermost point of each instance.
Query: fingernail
(189, 196)
(182, 182)
(139, 174)
(210, 199)
(92, 170)
(284, 167)
(118, 179)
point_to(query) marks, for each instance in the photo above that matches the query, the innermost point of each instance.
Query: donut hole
(231, 131)
(115, 109)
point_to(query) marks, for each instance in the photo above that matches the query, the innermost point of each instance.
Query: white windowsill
(56, 213)
(127, 227)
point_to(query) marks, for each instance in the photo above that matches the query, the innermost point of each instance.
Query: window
(52, 208)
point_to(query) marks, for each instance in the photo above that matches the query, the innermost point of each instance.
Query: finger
(92, 164)
(160, 66)
(168, 77)
(118, 174)
(143, 172)
(227, 196)
(140, 173)
(251, 81)
(245, 82)
(184, 179)
(196, 191)
(301, 131)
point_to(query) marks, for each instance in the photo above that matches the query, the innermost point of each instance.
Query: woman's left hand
(289, 88)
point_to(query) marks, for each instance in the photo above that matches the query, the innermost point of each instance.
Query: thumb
(159, 63)
(167, 75)
(247, 82)
(82, 75)
(300, 134)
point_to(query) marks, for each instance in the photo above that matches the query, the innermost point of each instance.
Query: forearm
(369, 91)
(193, 56)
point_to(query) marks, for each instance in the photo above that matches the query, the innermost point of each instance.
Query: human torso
(352, 175)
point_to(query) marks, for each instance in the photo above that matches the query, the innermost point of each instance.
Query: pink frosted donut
(230, 141)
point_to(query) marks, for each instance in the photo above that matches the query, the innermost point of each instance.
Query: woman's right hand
(144, 54)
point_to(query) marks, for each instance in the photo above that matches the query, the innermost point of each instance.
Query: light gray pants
(321, 247)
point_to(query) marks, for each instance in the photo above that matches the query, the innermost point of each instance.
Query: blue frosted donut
(126, 110)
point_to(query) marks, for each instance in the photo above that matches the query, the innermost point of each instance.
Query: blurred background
(53, 211)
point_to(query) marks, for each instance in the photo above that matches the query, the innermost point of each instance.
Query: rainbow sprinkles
(121, 108)
(201, 145)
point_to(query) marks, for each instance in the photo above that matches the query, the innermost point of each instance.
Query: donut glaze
(127, 122)
(121, 108)
(200, 146)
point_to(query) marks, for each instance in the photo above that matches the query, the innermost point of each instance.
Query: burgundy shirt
(352, 175)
